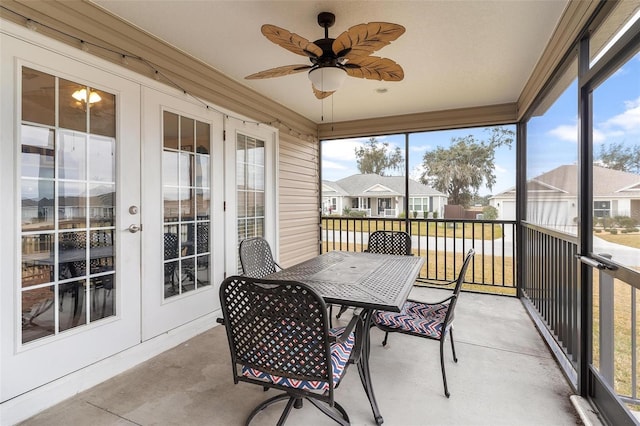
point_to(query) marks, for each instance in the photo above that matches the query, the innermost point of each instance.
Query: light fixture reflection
(327, 79)
(81, 95)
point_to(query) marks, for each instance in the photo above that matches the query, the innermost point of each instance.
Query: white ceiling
(455, 54)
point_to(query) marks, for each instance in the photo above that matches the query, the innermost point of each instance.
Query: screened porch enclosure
(557, 241)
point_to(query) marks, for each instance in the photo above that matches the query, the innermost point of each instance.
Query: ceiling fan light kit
(332, 60)
(327, 79)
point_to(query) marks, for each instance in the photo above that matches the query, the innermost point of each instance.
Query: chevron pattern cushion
(340, 353)
(415, 317)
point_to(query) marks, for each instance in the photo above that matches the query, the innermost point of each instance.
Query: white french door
(71, 155)
(182, 215)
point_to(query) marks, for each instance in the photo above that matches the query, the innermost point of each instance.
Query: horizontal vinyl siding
(298, 164)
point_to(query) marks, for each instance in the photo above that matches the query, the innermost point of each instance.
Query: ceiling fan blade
(291, 41)
(279, 71)
(375, 68)
(364, 39)
(321, 95)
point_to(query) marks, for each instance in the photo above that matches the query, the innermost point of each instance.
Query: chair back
(458, 286)
(389, 242)
(171, 251)
(256, 258)
(277, 327)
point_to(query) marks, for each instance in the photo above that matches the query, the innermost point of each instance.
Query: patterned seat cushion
(340, 353)
(418, 318)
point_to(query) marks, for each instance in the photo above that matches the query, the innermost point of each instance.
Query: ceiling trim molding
(87, 21)
(419, 122)
(575, 17)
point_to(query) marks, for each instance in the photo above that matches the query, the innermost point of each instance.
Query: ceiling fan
(332, 60)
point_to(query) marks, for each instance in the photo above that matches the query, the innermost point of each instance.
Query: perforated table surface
(366, 280)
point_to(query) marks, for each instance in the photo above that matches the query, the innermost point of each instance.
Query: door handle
(133, 228)
(594, 263)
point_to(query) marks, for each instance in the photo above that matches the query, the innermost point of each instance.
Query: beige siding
(298, 188)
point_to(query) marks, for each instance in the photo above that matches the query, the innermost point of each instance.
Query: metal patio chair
(429, 320)
(171, 252)
(386, 242)
(279, 337)
(256, 258)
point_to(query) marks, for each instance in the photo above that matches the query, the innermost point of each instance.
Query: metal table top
(365, 280)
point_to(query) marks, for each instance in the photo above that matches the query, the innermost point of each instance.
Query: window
(68, 204)
(186, 198)
(250, 187)
(601, 208)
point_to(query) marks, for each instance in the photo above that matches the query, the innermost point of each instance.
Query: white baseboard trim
(28, 404)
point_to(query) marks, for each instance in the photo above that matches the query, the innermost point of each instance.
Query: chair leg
(342, 310)
(386, 336)
(453, 348)
(326, 409)
(444, 375)
(270, 401)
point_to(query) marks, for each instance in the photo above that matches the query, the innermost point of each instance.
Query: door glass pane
(187, 134)
(38, 97)
(38, 156)
(102, 165)
(37, 259)
(250, 178)
(186, 182)
(72, 155)
(65, 181)
(38, 319)
(102, 203)
(38, 204)
(170, 130)
(72, 100)
(203, 141)
(103, 114)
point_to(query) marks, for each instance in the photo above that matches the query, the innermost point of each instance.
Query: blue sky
(552, 136)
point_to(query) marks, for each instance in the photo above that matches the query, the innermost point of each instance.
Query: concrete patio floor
(505, 375)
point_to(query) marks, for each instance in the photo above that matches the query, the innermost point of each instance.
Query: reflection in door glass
(616, 170)
(186, 194)
(68, 205)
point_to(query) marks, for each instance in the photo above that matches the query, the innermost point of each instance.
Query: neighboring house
(552, 197)
(380, 196)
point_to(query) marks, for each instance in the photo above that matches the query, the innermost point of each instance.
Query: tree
(467, 164)
(376, 157)
(489, 213)
(619, 157)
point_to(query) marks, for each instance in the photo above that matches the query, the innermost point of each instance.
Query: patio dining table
(363, 280)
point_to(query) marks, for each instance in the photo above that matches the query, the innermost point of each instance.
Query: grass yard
(441, 266)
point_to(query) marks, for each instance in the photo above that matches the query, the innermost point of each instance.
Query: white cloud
(420, 148)
(629, 120)
(566, 132)
(343, 149)
(499, 169)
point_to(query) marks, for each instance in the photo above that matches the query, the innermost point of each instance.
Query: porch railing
(550, 291)
(443, 243)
